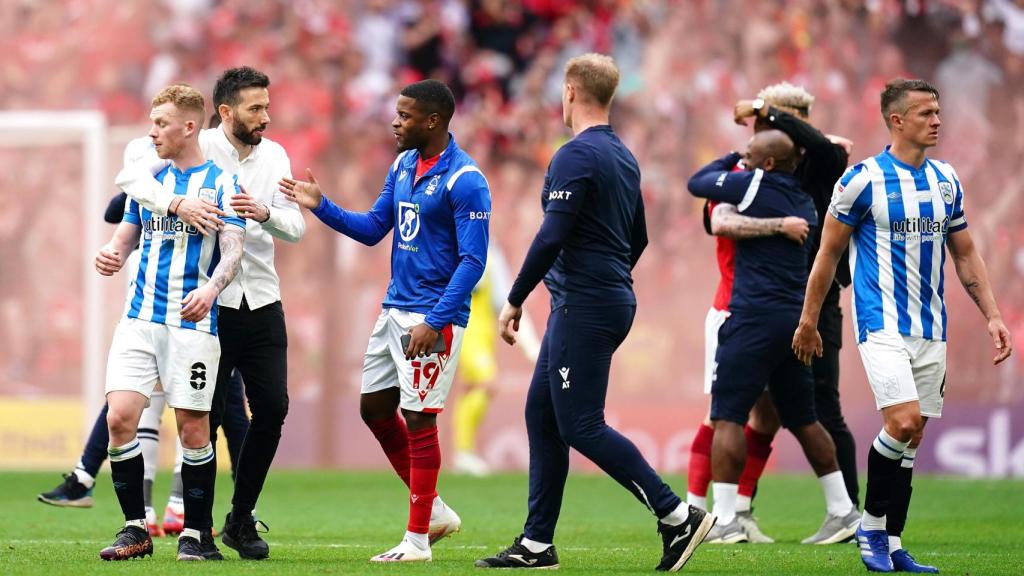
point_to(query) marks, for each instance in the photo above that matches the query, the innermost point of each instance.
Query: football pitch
(332, 522)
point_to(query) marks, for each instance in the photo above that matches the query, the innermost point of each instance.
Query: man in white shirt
(250, 317)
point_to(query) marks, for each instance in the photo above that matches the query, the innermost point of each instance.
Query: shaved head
(772, 150)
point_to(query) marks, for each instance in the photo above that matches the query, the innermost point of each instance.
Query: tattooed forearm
(973, 288)
(727, 221)
(231, 239)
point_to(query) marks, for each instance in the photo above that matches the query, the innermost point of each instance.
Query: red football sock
(698, 473)
(394, 439)
(425, 451)
(759, 447)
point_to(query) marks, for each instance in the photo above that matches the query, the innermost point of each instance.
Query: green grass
(332, 522)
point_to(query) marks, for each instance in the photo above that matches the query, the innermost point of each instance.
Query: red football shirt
(424, 166)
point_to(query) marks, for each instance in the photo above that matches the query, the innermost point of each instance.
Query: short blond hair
(787, 95)
(596, 75)
(184, 98)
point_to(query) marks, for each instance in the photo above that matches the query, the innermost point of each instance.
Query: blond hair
(786, 95)
(184, 97)
(595, 75)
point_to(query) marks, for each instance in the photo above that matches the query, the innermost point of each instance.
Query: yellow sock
(468, 415)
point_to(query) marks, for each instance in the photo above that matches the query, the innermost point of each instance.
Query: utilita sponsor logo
(168, 224)
(925, 228)
(925, 224)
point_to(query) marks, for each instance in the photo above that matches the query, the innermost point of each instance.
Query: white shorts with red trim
(712, 322)
(424, 382)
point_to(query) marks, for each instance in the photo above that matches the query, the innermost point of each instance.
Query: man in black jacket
(786, 107)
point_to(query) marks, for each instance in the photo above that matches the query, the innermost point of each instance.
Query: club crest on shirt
(208, 195)
(408, 220)
(946, 188)
(432, 185)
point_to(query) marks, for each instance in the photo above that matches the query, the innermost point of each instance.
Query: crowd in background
(336, 68)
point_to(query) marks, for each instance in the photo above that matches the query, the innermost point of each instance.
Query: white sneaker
(470, 463)
(753, 531)
(443, 522)
(405, 552)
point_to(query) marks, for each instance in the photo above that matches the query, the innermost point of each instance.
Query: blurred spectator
(336, 66)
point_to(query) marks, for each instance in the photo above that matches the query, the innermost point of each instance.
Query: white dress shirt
(258, 173)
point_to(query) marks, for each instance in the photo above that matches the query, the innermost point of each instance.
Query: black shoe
(519, 556)
(242, 537)
(679, 542)
(70, 493)
(203, 549)
(131, 542)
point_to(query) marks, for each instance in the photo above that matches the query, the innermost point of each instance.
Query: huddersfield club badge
(208, 195)
(432, 185)
(946, 188)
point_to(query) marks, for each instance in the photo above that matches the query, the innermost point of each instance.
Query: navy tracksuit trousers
(565, 408)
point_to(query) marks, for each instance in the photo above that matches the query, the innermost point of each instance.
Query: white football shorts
(902, 369)
(712, 322)
(183, 360)
(424, 382)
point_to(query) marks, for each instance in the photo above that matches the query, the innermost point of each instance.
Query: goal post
(27, 129)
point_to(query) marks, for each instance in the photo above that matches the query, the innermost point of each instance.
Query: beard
(247, 136)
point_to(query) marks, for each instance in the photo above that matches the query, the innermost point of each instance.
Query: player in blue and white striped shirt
(169, 332)
(175, 257)
(902, 210)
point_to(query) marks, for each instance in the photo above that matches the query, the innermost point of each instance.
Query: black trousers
(826, 396)
(256, 343)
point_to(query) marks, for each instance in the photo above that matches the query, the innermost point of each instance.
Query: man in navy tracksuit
(439, 205)
(592, 235)
(754, 343)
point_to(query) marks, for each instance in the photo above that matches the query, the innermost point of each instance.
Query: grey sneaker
(836, 529)
(731, 533)
(752, 530)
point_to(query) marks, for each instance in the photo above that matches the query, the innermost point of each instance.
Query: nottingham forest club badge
(432, 185)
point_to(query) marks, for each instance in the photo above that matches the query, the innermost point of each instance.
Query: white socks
(888, 446)
(837, 501)
(85, 478)
(908, 457)
(699, 502)
(725, 502)
(125, 452)
(894, 544)
(677, 516)
(418, 540)
(141, 523)
(742, 503)
(869, 522)
(533, 546)
(437, 507)
(197, 456)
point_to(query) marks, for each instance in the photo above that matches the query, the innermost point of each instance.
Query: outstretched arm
(198, 302)
(366, 227)
(727, 221)
(973, 274)
(281, 218)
